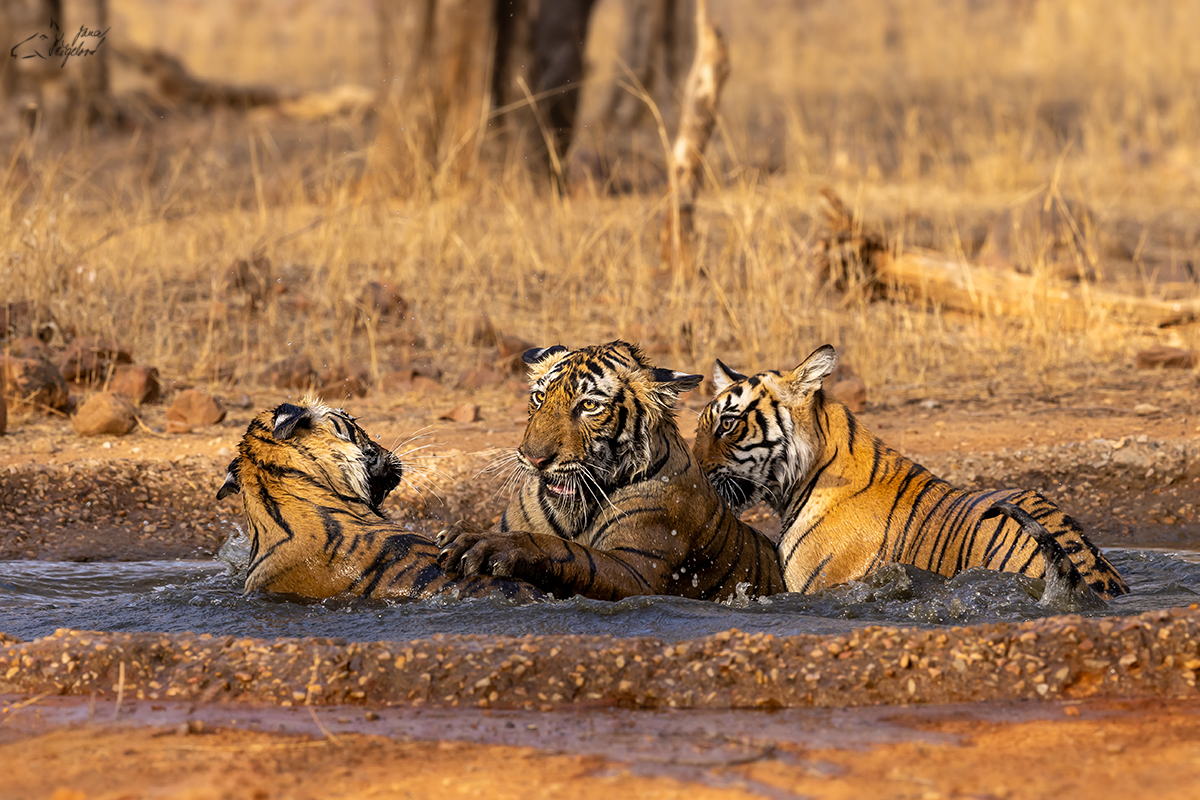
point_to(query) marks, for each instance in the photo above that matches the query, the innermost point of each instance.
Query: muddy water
(206, 597)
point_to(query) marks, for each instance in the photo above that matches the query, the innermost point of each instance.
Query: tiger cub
(613, 504)
(849, 503)
(312, 482)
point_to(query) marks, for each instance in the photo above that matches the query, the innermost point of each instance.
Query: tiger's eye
(728, 424)
(536, 398)
(589, 405)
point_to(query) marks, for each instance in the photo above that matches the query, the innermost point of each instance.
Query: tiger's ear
(536, 354)
(806, 378)
(669, 384)
(233, 484)
(723, 376)
(289, 418)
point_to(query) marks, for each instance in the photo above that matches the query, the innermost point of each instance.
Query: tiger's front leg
(554, 565)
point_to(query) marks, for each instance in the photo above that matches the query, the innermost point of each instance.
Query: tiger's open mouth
(561, 489)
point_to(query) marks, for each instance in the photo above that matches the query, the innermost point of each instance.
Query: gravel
(1066, 657)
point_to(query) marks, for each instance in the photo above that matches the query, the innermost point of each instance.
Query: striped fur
(312, 482)
(613, 504)
(849, 502)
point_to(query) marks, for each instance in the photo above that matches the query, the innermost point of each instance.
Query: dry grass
(929, 116)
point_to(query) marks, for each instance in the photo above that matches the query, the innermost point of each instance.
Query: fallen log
(951, 283)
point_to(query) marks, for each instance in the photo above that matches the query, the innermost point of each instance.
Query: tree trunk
(437, 58)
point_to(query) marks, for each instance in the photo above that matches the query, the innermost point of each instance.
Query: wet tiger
(613, 504)
(849, 503)
(312, 482)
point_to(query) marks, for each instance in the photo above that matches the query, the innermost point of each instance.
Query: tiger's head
(594, 416)
(314, 449)
(759, 435)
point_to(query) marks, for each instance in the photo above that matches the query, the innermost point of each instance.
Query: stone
(30, 347)
(479, 378)
(338, 383)
(397, 381)
(343, 389)
(178, 426)
(137, 382)
(468, 412)
(1167, 357)
(36, 383)
(104, 413)
(295, 372)
(423, 383)
(381, 303)
(1146, 409)
(88, 359)
(194, 408)
(852, 393)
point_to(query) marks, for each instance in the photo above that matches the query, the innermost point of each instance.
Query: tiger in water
(613, 504)
(849, 503)
(312, 482)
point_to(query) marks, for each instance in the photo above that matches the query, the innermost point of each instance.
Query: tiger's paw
(473, 553)
(446, 536)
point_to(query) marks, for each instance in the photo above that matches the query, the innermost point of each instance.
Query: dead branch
(175, 83)
(701, 94)
(968, 287)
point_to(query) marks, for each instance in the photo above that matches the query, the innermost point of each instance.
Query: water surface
(206, 597)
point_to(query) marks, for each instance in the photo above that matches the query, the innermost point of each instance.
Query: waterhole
(206, 597)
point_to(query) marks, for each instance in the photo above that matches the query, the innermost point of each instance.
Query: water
(206, 597)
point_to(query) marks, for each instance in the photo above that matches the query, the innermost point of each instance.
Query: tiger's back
(849, 502)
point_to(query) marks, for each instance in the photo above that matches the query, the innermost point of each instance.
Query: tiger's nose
(539, 460)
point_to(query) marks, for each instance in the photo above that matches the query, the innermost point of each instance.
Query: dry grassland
(937, 120)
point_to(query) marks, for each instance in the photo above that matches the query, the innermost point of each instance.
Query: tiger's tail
(1066, 589)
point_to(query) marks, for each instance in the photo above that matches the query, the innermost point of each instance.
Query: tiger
(849, 503)
(312, 482)
(613, 504)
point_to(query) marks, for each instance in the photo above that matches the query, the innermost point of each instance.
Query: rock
(509, 346)
(929, 404)
(381, 303)
(88, 359)
(343, 389)
(30, 347)
(338, 383)
(137, 382)
(35, 382)
(195, 408)
(423, 383)
(479, 377)
(1161, 355)
(469, 412)
(397, 381)
(1146, 409)
(43, 446)
(852, 392)
(295, 372)
(104, 412)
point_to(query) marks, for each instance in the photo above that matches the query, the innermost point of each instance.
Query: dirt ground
(73, 751)
(1131, 475)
